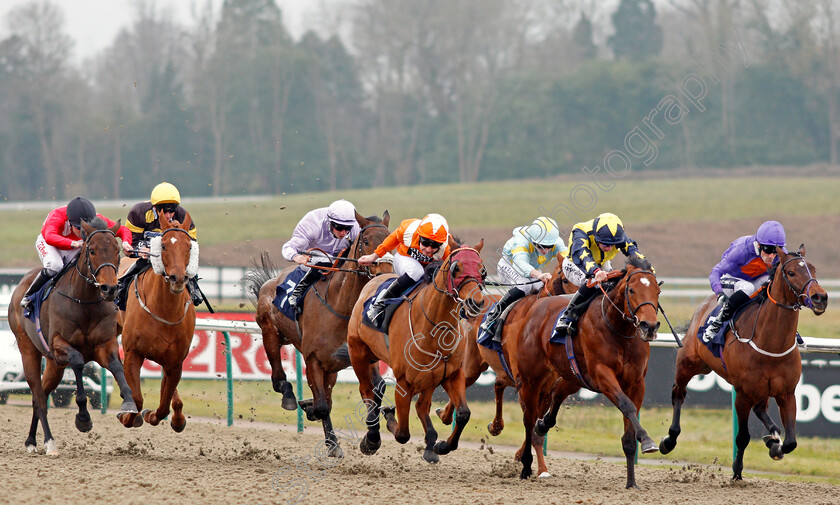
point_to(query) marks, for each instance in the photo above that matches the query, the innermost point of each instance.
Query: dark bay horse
(78, 323)
(321, 332)
(159, 321)
(612, 352)
(760, 358)
(424, 348)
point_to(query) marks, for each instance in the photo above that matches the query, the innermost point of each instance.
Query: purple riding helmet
(770, 233)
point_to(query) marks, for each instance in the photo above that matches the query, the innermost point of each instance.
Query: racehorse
(321, 332)
(760, 357)
(159, 321)
(78, 323)
(478, 359)
(424, 348)
(611, 349)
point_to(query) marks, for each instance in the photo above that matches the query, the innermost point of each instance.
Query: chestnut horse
(321, 332)
(478, 358)
(423, 347)
(159, 321)
(78, 323)
(760, 357)
(611, 349)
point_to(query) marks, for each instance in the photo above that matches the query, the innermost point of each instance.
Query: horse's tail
(258, 275)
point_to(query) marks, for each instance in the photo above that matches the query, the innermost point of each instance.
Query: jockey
(592, 244)
(418, 243)
(332, 229)
(523, 254)
(742, 270)
(60, 240)
(144, 223)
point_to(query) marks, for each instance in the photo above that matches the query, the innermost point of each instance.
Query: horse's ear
(453, 244)
(116, 227)
(187, 222)
(164, 221)
(86, 228)
(802, 249)
(386, 218)
(479, 245)
(361, 219)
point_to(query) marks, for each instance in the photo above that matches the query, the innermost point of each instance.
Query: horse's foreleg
(422, 407)
(636, 393)
(360, 359)
(316, 376)
(498, 423)
(77, 363)
(612, 390)
(742, 409)
(686, 369)
(550, 404)
(331, 441)
(787, 410)
(131, 368)
(179, 420)
(273, 350)
(170, 380)
(402, 398)
(773, 439)
(109, 357)
(454, 385)
(529, 397)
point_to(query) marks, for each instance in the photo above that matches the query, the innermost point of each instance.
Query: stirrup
(25, 302)
(711, 331)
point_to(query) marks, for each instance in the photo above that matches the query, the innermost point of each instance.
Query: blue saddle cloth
(715, 345)
(284, 289)
(485, 338)
(34, 310)
(382, 323)
(558, 336)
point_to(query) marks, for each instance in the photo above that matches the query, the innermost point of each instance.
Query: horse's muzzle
(648, 331)
(108, 291)
(177, 284)
(819, 302)
(473, 307)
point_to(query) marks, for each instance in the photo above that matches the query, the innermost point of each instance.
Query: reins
(632, 318)
(89, 278)
(164, 275)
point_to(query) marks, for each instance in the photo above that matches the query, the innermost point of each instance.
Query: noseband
(90, 278)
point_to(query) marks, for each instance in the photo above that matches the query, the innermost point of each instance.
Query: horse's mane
(639, 262)
(431, 269)
(98, 223)
(375, 219)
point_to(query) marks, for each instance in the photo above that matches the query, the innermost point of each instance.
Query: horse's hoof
(442, 448)
(445, 419)
(178, 427)
(138, 421)
(649, 446)
(52, 448)
(83, 425)
(544, 475)
(540, 428)
(494, 430)
(146, 414)
(31, 448)
(667, 445)
(526, 472)
(771, 440)
(335, 451)
(369, 447)
(289, 403)
(430, 457)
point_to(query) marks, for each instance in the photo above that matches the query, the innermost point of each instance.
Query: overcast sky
(93, 24)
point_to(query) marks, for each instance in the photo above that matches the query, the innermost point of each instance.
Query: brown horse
(760, 358)
(424, 348)
(78, 323)
(321, 333)
(477, 358)
(159, 321)
(611, 349)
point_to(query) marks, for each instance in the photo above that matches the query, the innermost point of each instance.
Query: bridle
(358, 249)
(633, 319)
(90, 277)
(166, 279)
(803, 293)
(453, 285)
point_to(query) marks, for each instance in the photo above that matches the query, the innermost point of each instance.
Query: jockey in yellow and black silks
(592, 244)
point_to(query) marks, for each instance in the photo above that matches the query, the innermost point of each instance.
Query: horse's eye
(631, 291)
(366, 242)
(791, 273)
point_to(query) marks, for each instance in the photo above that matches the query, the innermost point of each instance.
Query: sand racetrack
(210, 463)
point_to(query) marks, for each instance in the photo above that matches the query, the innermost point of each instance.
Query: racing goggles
(767, 249)
(340, 227)
(427, 242)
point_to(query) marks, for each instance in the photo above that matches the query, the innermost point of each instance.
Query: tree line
(414, 92)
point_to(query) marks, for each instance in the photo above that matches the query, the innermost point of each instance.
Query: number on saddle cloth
(284, 289)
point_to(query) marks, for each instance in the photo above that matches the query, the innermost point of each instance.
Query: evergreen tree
(582, 38)
(637, 36)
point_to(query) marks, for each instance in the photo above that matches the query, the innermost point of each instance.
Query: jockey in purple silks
(331, 229)
(742, 270)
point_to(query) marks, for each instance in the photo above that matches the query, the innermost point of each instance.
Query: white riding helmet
(342, 212)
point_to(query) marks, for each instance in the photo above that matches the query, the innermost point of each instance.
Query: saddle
(491, 339)
(284, 289)
(34, 310)
(391, 306)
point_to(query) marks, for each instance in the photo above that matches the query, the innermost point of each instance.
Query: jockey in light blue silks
(742, 270)
(524, 253)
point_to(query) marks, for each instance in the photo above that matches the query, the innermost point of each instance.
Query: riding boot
(576, 307)
(727, 310)
(195, 291)
(396, 289)
(511, 296)
(124, 281)
(39, 281)
(308, 279)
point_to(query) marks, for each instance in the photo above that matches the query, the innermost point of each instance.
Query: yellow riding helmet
(165, 193)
